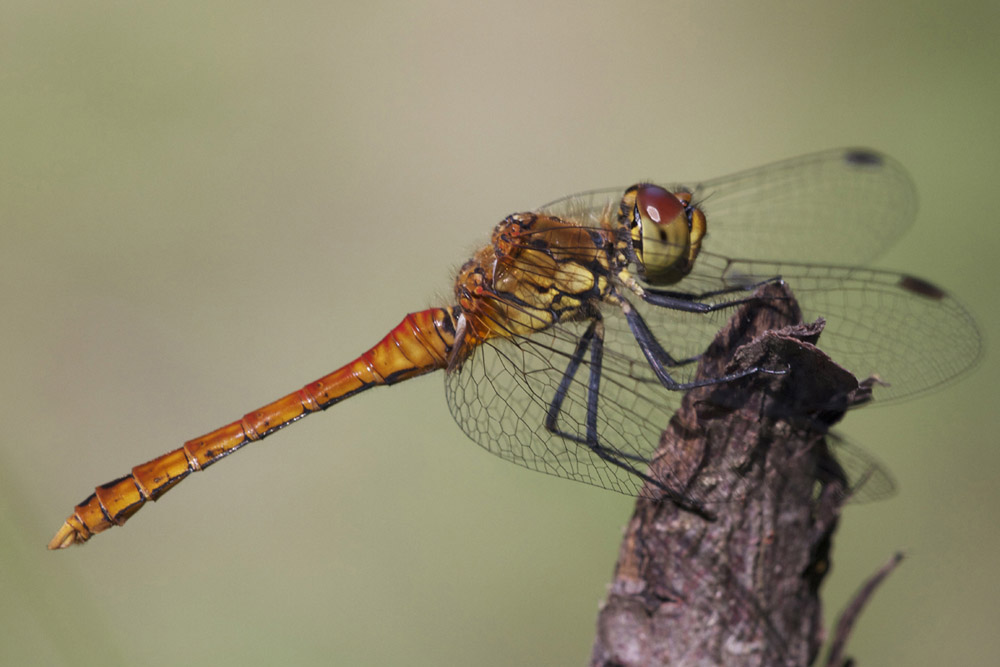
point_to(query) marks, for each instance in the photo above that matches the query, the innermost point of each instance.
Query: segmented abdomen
(421, 343)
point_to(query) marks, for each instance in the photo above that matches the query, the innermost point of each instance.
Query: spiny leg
(659, 359)
(691, 301)
(593, 338)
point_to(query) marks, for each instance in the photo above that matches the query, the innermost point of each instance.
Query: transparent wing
(909, 333)
(840, 206)
(501, 395)
(868, 480)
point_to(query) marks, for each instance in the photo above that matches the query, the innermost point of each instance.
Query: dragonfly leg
(691, 302)
(659, 359)
(698, 296)
(593, 339)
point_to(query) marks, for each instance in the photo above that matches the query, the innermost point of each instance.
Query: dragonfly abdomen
(421, 343)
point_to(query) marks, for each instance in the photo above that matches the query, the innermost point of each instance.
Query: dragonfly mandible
(555, 347)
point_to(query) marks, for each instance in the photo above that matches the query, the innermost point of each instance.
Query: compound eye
(669, 232)
(658, 205)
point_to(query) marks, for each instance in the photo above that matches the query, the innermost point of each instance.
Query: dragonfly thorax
(538, 270)
(664, 230)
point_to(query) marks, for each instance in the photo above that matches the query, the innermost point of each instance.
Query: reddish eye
(657, 204)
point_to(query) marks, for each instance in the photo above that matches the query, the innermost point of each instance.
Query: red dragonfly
(556, 344)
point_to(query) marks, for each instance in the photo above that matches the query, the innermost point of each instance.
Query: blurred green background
(205, 205)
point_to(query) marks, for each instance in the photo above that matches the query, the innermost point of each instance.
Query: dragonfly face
(665, 230)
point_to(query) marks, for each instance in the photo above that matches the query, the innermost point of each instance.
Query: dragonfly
(573, 333)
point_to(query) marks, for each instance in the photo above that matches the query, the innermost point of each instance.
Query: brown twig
(850, 615)
(742, 589)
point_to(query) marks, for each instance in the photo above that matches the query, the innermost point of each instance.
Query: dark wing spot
(921, 287)
(863, 157)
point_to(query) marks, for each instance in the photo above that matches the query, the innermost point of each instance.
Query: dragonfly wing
(839, 206)
(909, 333)
(845, 205)
(587, 208)
(501, 395)
(867, 478)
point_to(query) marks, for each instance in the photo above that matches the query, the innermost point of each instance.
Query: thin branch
(850, 615)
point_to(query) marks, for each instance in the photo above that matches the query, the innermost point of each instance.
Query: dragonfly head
(664, 230)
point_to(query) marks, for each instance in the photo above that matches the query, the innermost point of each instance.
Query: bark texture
(742, 589)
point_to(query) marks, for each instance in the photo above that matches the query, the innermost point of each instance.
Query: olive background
(205, 205)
